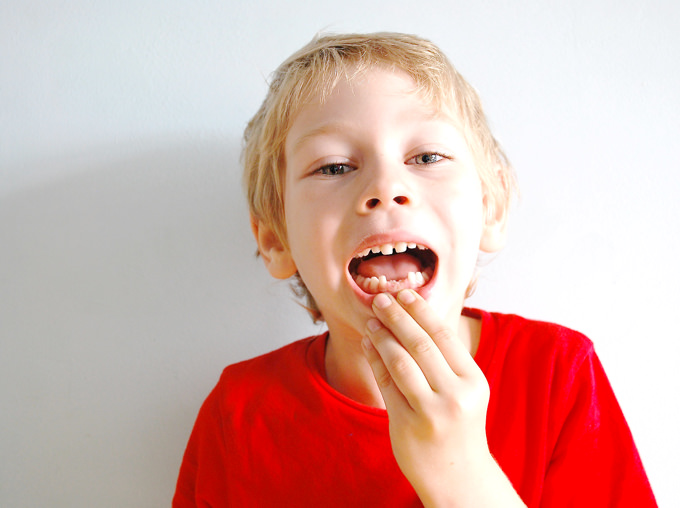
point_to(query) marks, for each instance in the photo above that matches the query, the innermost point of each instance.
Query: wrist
(479, 483)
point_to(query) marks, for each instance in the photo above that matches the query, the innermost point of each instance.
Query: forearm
(477, 485)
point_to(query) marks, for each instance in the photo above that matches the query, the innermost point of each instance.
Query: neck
(348, 372)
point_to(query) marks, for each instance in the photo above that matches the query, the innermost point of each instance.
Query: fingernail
(407, 296)
(373, 325)
(382, 301)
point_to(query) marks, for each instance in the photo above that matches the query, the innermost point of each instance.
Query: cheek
(313, 230)
(463, 217)
(305, 221)
(298, 211)
(462, 206)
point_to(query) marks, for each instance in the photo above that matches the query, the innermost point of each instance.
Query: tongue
(394, 267)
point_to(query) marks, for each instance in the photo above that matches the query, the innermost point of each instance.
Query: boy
(373, 179)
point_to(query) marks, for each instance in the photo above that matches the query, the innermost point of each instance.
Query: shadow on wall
(126, 287)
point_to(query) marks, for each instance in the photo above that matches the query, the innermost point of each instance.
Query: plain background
(127, 271)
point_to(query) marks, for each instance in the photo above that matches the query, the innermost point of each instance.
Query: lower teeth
(414, 280)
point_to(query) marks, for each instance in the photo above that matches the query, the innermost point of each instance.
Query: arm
(436, 398)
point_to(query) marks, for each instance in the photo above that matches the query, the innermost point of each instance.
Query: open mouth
(393, 267)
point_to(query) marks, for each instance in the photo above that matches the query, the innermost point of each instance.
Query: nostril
(372, 203)
(401, 200)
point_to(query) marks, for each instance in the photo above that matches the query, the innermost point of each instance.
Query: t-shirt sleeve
(595, 462)
(203, 469)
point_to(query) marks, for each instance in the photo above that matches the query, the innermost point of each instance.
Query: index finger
(404, 346)
(442, 333)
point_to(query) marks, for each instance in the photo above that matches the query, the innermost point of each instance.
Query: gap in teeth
(389, 248)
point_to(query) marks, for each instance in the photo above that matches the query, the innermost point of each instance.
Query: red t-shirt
(274, 433)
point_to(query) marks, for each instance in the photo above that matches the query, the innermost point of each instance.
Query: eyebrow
(327, 128)
(343, 127)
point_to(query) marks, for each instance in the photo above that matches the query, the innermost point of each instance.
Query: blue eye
(427, 158)
(335, 169)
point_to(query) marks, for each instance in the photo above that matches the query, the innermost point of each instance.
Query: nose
(372, 203)
(384, 188)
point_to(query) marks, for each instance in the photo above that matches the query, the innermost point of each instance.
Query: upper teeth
(390, 248)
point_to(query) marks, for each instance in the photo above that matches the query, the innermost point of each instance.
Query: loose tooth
(400, 247)
(386, 249)
(382, 283)
(412, 277)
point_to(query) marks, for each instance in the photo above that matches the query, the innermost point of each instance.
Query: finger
(443, 335)
(415, 343)
(391, 394)
(401, 367)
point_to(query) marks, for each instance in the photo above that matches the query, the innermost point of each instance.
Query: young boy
(374, 180)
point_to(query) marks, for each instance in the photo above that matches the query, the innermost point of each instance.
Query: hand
(436, 398)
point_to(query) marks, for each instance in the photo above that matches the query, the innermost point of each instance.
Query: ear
(275, 254)
(495, 232)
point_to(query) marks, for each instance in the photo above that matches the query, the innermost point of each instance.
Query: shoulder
(547, 378)
(269, 366)
(512, 339)
(278, 376)
(257, 386)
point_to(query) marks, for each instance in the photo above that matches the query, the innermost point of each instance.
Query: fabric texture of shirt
(273, 432)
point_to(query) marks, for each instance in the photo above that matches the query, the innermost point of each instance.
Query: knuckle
(478, 383)
(473, 398)
(430, 427)
(399, 366)
(422, 345)
(384, 380)
(468, 396)
(483, 390)
(394, 312)
(442, 335)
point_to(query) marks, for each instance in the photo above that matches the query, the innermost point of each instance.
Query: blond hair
(315, 69)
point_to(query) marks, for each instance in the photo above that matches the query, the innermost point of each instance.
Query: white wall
(127, 275)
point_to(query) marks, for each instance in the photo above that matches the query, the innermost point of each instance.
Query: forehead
(319, 86)
(378, 95)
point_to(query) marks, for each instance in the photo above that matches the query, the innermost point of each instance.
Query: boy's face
(374, 167)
